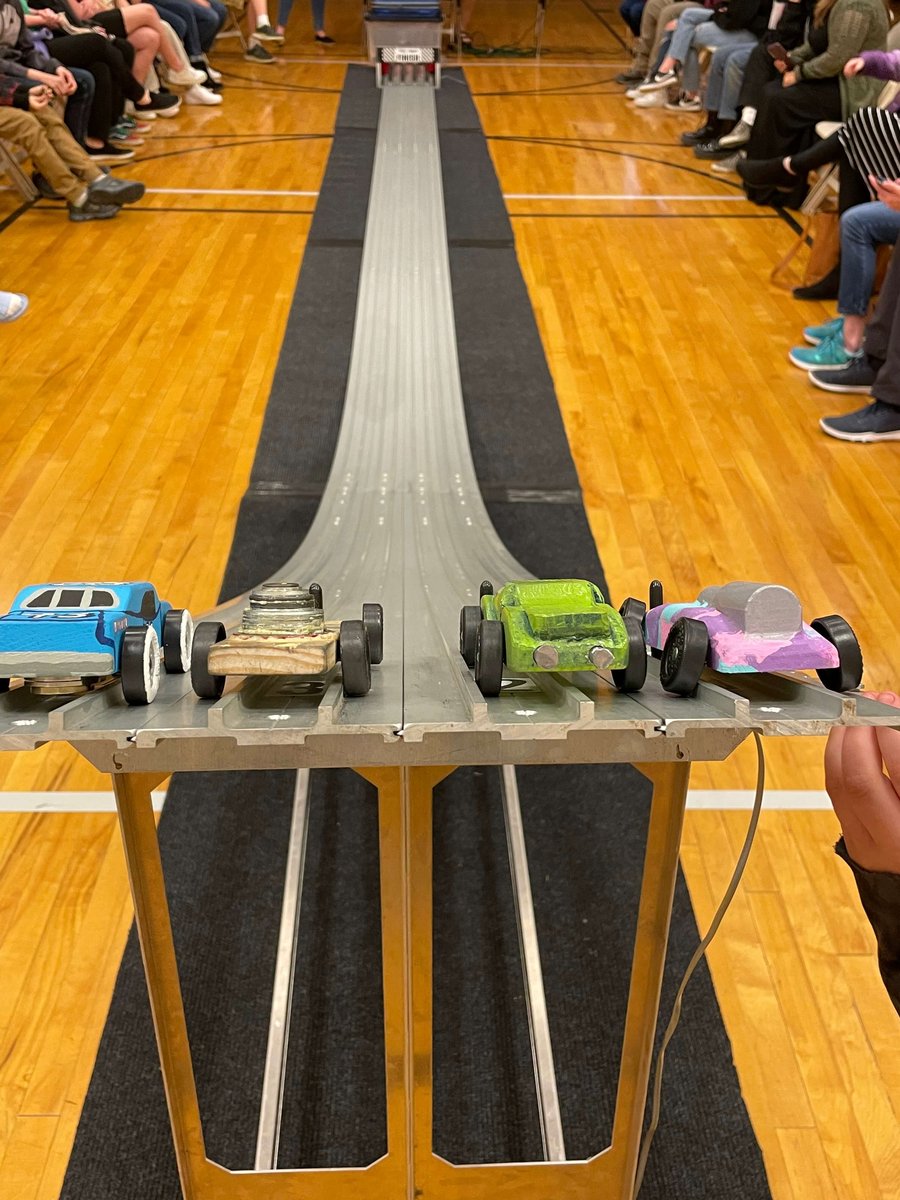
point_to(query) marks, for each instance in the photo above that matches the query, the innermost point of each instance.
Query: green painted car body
(569, 614)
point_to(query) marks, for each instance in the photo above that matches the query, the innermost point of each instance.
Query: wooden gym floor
(131, 397)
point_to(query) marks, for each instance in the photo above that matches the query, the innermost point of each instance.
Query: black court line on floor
(224, 836)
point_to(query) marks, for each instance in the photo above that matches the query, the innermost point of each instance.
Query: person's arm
(848, 30)
(882, 64)
(862, 775)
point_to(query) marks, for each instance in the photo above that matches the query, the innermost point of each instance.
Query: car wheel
(373, 619)
(140, 665)
(847, 675)
(633, 608)
(207, 686)
(178, 634)
(469, 620)
(631, 677)
(356, 665)
(489, 657)
(684, 656)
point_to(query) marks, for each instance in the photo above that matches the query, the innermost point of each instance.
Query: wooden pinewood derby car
(284, 632)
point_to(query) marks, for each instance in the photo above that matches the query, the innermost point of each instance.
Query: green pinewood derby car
(550, 625)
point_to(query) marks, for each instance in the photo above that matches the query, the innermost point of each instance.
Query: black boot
(825, 289)
(705, 133)
(767, 172)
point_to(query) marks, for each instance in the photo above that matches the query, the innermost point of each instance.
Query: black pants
(110, 64)
(759, 71)
(786, 125)
(883, 336)
(853, 187)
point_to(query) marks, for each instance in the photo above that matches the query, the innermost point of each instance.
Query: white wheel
(140, 666)
(178, 638)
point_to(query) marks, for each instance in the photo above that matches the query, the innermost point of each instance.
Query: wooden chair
(20, 181)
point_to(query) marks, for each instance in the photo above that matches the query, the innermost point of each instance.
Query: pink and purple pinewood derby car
(743, 628)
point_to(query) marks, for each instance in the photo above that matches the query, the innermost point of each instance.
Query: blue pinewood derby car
(64, 638)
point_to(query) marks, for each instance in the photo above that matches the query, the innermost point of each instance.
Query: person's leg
(27, 131)
(103, 194)
(656, 16)
(79, 104)
(143, 26)
(318, 16)
(208, 26)
(733, 79)
(715, 79)
(683, 37)
(709, 36)
(863, 230)
(284, 12)
(180, 15)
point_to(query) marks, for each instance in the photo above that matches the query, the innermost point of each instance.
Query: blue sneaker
(818, 333)
(877, 422)
(829, 353)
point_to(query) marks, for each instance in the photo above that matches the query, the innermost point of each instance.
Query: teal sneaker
(830, 352)
(818, 333)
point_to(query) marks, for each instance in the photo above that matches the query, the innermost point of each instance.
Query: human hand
(853, 67)
(781, 65)
(789, 78)
(862, 777)
(39, 98)
(887, 191)
(67, 79)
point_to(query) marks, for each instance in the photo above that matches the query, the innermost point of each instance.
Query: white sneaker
(215, 76)
(185, 77)
(131, 112)
(650, 100)
(633, 93)
(201, 95)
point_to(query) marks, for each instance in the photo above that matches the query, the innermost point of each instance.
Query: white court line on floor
(782, 799)
(65, 802)
(451, 61)
(223, 192)
(103, 802)
(574, 197)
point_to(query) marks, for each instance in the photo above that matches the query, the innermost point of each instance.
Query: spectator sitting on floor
(862, 775)
(12, 306)
(813, 89)
(728, 23)
(28, 119)
(877, 370)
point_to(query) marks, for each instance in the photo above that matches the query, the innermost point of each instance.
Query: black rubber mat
(224, 836)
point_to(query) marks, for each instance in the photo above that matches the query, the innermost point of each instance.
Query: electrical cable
(699, 953)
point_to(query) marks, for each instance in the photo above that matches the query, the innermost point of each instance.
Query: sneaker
(146, 114)
(685, 103)
(122, 136)
(186, 76)
(694, 137)
(830, 352)
(660, 81)
(728, 166)
(161, 104)
(650, 100)
(877, 422)
(857, 377)
(110, 153)
(630, 76)
(215, 76)
(266, 33)
(134, 125)
(109, 190)
(12, 306)
(324, 40)
(92, 210)
(739, 136)
(257, 53)
(712, 149)
(201, 95)
(633, 93)
(43, 186)
(813, 334)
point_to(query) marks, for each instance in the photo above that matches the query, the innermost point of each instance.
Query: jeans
(863, 230)
(883, 337)
(200, 24)
(696, 29)
(656, 15)
(631, 12)
(318, 13)
(78, 105)
(726, 77)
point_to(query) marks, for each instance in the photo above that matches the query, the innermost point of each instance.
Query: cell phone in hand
(778, 52)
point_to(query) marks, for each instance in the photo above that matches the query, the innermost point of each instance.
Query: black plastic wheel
(632, 676)
(356, 665)
(178, 634)
(373, 619)
(684, 656)
(849, 672)
(207, 686)
(655, 594)
(633, 608)
(489, 657)
(139, 665)
(486, 589)
(315, 590)
(469, 620)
